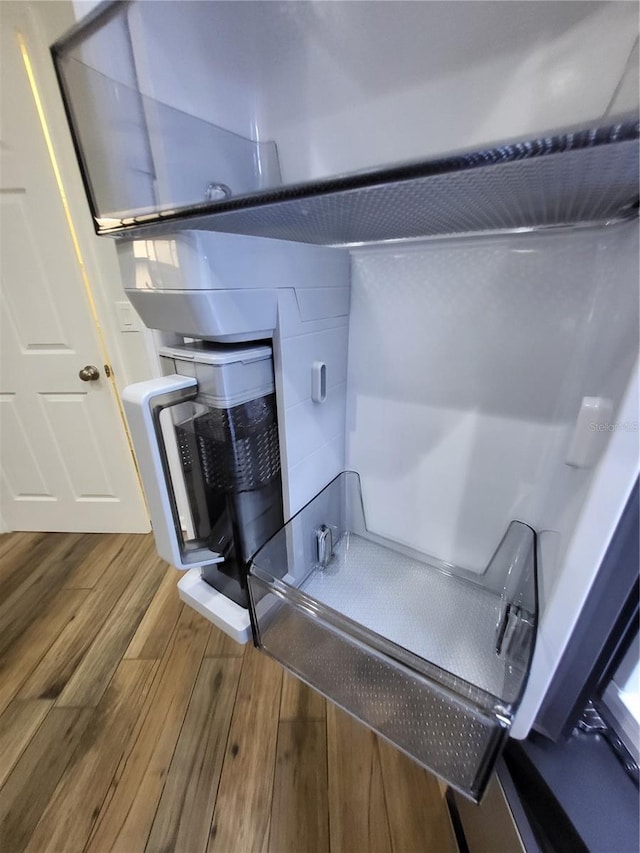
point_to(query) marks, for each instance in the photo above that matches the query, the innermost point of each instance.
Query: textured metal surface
(591, 175)
(449, 737)
(438, 617)
(238, 447)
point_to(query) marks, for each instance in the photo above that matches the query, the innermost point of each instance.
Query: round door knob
(89, 373)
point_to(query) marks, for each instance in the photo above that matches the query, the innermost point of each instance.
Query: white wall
(384, 82)
(468, 362)
(344, 86)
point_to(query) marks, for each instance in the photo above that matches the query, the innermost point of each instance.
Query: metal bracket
(324, 544)
(593, 723)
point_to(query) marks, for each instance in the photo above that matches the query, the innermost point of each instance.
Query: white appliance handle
(143, 403)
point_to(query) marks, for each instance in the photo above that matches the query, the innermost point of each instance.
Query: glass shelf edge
(491, 706)
(539, 149)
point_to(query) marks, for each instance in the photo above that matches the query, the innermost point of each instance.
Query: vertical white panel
(310, 425)
(300, 352)
(612, 484)
(31, 298)
(20, 470)
(73, 432)
(82, 479)
(312, 433)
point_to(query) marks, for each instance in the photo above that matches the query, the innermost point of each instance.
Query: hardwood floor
(128, 723)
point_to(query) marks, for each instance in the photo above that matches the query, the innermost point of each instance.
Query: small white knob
(593, 425)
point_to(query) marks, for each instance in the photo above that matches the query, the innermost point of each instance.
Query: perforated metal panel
(453, 738)
(575, 177)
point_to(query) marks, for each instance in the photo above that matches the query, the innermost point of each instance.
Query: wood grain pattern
(300, 811)
(8, 541)
(18, 725)
(184, 814)
(241, 817)
(221, 645)
(14, 551)
(20, 660)
(154, 632)
(72, 811)
(48, 565)
(357, 808)
(183, 741)
(96, 569)
(26, 793)
(417, 819)
(300, 702)
(53, 672)
(89, 681)
(28, 552)
(126, 817)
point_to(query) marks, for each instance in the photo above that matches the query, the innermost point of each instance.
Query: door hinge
(108, 371)
(593, 723)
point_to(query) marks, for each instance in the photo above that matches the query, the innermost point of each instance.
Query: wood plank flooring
(128, 723)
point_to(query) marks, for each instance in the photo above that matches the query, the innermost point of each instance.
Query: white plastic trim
(318, 381)
(614, 479)
(215, 607)
(138, 400)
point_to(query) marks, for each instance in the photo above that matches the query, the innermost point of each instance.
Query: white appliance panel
(345, 86)
(469, 360)
(470, 380)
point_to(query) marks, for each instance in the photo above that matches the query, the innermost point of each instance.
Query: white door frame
(36, 27)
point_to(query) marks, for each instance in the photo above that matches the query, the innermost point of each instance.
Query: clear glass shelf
(143, 159)
(207, 114)
(431, 656)
(586, 177)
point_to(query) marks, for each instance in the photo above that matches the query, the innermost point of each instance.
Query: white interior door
(65, 459)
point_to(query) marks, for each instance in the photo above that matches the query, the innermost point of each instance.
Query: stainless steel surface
(490, 826)
(89, 373)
